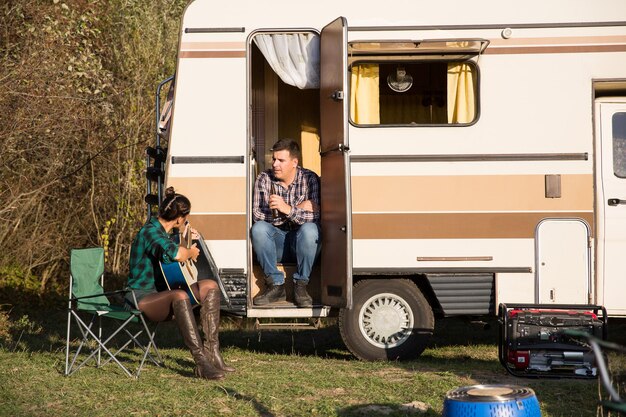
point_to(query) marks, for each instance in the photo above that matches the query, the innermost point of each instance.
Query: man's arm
(308, 211)
(260, 199)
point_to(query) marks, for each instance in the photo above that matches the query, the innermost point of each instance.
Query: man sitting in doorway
(286, 214)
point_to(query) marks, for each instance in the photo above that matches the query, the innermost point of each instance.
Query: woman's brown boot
(183, 314)
(210, 318)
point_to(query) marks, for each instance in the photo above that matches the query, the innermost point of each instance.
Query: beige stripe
(469, 193)
(203, 46)
(212, 54)
(453, 226)
(220, 226)
(555, 49)
(214, 194)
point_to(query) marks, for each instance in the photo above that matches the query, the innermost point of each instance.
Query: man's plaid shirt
(151, 245)
(305, 186)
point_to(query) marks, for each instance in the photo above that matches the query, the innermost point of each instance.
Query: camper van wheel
(390, 319)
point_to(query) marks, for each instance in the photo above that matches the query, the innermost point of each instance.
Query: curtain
(364, 94)
(295, 57)
(461, 101)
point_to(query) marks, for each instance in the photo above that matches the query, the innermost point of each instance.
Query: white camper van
(470, 154)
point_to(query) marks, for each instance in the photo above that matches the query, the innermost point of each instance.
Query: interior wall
(299, 119)
(280, 111)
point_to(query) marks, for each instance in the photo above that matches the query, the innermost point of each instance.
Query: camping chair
(87, 297)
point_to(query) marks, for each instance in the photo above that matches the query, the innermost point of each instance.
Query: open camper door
(611, 155)
(336, 257)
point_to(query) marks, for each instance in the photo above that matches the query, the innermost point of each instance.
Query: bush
(76, 95)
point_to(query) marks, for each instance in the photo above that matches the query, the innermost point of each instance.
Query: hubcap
(386, 320)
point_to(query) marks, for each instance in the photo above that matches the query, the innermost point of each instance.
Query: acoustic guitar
(182, 275)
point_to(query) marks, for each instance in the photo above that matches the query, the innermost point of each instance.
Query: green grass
(279, 373)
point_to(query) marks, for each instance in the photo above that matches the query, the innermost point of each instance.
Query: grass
(279, 373)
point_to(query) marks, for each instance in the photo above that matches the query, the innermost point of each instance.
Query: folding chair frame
(88, 334)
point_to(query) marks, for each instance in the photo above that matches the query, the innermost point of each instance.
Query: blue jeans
(273, 245)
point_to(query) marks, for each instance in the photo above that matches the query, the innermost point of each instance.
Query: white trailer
(471, 153)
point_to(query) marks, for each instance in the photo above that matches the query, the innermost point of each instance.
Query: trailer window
(403, 92)
(619, 144)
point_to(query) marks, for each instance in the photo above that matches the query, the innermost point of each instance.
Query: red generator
(540, 340)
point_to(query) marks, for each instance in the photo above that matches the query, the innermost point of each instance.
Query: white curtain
(295, 57)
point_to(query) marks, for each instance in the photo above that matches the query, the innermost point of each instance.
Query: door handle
(615, 202)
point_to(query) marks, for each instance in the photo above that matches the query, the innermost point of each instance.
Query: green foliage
(11, 332)
(77, 97)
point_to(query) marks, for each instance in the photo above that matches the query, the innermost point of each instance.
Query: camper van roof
(253, 14)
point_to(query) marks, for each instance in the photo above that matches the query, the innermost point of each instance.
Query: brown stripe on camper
(220, 226)
(453, 225)
(210, 46)
(552, 45)
(470, 193)
(212, 54)
(212, 194)
(570, 40)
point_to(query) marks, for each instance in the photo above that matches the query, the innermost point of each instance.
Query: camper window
(404, 92)
(619, 144)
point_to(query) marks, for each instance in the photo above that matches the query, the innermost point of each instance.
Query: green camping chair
(88, 299)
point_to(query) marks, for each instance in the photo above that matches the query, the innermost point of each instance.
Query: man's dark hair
(289, 145)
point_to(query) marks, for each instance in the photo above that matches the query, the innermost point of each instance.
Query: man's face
(283, 165)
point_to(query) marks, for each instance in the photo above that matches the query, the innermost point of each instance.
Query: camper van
(470, 154)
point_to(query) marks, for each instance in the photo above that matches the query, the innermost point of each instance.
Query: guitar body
(181, 276)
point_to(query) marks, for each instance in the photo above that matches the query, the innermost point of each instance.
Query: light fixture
(400, 81)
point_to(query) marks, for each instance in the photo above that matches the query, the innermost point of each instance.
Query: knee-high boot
(183, 315)
(210, 317)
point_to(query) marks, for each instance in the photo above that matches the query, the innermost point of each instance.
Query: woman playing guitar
(152, 245)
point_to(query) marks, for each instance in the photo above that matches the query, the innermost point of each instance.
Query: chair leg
(101, 345)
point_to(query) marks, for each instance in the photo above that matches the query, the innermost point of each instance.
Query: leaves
(76, 111)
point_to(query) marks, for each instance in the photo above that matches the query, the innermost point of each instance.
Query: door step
(313, 323)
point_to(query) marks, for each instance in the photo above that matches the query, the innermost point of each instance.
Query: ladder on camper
(156, 156)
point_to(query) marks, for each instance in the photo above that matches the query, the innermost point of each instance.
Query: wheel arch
(420, 280)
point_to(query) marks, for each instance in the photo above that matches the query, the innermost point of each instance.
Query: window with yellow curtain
(413, 93)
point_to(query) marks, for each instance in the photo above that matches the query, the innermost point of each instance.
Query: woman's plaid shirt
(305, 186)
(151, 245)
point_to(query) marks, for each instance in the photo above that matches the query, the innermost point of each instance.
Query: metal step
(313, 323)
(236, 286)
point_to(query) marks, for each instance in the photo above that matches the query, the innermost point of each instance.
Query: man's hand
(309, 205)
(277, 202)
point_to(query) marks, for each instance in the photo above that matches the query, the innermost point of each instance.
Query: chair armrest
(98, 295)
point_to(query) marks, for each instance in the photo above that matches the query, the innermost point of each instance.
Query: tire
(389, 320)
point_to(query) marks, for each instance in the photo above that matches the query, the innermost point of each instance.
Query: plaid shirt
(305, 186)
(151, 245)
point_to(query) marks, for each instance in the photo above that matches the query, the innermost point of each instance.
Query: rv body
(519, 202)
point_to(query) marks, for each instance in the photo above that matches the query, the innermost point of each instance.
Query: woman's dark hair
(174, 205)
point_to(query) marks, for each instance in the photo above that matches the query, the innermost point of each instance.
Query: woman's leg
(158, 306)
(210, 319)
(201, 288)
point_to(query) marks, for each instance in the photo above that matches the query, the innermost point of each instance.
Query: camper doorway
(284, 103)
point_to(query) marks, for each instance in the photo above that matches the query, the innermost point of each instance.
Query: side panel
(336, 207)
(207, 150)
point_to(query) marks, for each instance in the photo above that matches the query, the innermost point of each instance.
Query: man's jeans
(273, 245)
